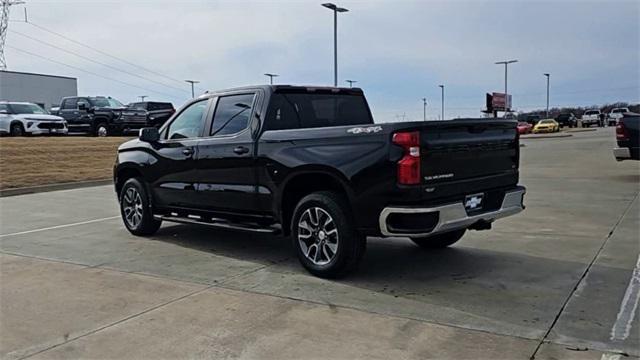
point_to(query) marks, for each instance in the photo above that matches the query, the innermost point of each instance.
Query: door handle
(241, 150)
(187, 151)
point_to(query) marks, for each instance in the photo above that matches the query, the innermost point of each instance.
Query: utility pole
(142, 97)
(442, 87)
(351, 82)
(424, 109)
(547, 75)
(193, 94)
(4, 25)
(271, 76)
(506, 94)
(336, 10)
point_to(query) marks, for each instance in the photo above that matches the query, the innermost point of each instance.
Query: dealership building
(44, 90)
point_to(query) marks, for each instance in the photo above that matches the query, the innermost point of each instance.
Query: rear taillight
(409, 165)
(621, 132)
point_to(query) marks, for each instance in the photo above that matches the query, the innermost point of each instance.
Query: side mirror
(82, 107)
(149, 134)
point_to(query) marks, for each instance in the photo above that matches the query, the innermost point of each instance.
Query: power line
(103, 52)
(96, 62)
(90, 72)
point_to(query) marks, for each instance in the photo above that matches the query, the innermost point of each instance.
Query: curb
(545, 136)
(53, 187)
(582, 130)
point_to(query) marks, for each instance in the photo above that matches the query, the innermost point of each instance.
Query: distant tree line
(579, 110)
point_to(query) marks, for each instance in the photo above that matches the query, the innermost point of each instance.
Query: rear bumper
(626, 153)
(453, 216)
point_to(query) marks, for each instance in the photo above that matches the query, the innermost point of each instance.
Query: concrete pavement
(553, 282)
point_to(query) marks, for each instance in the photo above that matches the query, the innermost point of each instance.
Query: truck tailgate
(466, 150)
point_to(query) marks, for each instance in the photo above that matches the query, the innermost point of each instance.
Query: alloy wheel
(102, 131)
(318, 236)
(132, 207)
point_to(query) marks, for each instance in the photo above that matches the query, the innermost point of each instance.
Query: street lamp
(271, 76)
(336, 10)
(442, 87)
(193, 94)
(506, 96)
(547, 75)
(351, 82)
(142, 97)
(424, 109)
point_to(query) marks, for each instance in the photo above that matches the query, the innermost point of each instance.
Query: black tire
(17, 129)
(349, 244)
(135, 209)
(439, 241)
(101, 130)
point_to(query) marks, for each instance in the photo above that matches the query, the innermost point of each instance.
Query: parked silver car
(21, 118)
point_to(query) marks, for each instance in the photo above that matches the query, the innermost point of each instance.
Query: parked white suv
(615, 115)
(21, 118)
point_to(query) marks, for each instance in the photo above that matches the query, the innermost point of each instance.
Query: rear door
(468, 154)
(226, 172)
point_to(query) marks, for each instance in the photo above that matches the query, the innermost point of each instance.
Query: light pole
(336, 10)
(271, 76)
(351, 82)
(193, 94)
(142, 97)
(506, 96)
(442, 87)
(547, 75)
(424, 109)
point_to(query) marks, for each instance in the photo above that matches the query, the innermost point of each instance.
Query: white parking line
(60, 226)
(622, 327)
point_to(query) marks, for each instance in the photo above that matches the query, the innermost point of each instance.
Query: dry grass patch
(30, 161)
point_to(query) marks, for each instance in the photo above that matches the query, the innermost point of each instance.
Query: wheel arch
(307, 181)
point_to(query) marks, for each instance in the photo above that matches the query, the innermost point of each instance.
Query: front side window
(232, 114)
(189, 123)
(85, 102)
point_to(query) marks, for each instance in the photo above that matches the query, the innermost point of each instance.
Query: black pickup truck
(310, 163)
(628, 137)
(97, 115)
(146, 114)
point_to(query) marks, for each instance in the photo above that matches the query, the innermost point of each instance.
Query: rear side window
(308, 110)
(232, 114)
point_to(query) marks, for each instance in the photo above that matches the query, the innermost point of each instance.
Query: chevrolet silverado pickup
(311, 164)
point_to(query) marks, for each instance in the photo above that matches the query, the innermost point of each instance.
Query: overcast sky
(398, 51)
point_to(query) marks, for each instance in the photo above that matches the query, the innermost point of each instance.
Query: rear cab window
(304, 110)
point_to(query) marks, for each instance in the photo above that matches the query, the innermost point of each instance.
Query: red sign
(501, 102)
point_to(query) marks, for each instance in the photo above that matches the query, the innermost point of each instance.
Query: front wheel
(101, 130)
(326, 241)
(17, 130)
(439, 241)
(135, 209)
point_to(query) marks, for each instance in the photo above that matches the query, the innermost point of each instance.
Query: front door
(226, 172)
(175, 170)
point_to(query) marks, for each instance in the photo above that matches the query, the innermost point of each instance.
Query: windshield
(105, 102)
(617, 111)
(591, 112)
(27, 109)
(546, 121)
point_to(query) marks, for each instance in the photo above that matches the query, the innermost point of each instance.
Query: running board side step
(220, 223)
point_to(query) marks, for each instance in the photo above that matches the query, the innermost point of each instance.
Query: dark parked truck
(97, 115)
(146, 114)
(311, 164)
(628, 137)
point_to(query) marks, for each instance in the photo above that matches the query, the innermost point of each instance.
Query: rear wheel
(17, 129)
(135, 209)
(326, 241)
(439, 241)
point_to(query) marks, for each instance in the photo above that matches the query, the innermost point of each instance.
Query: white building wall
(46, 90)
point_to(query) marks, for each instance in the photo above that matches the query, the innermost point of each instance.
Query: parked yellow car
(546, 125)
